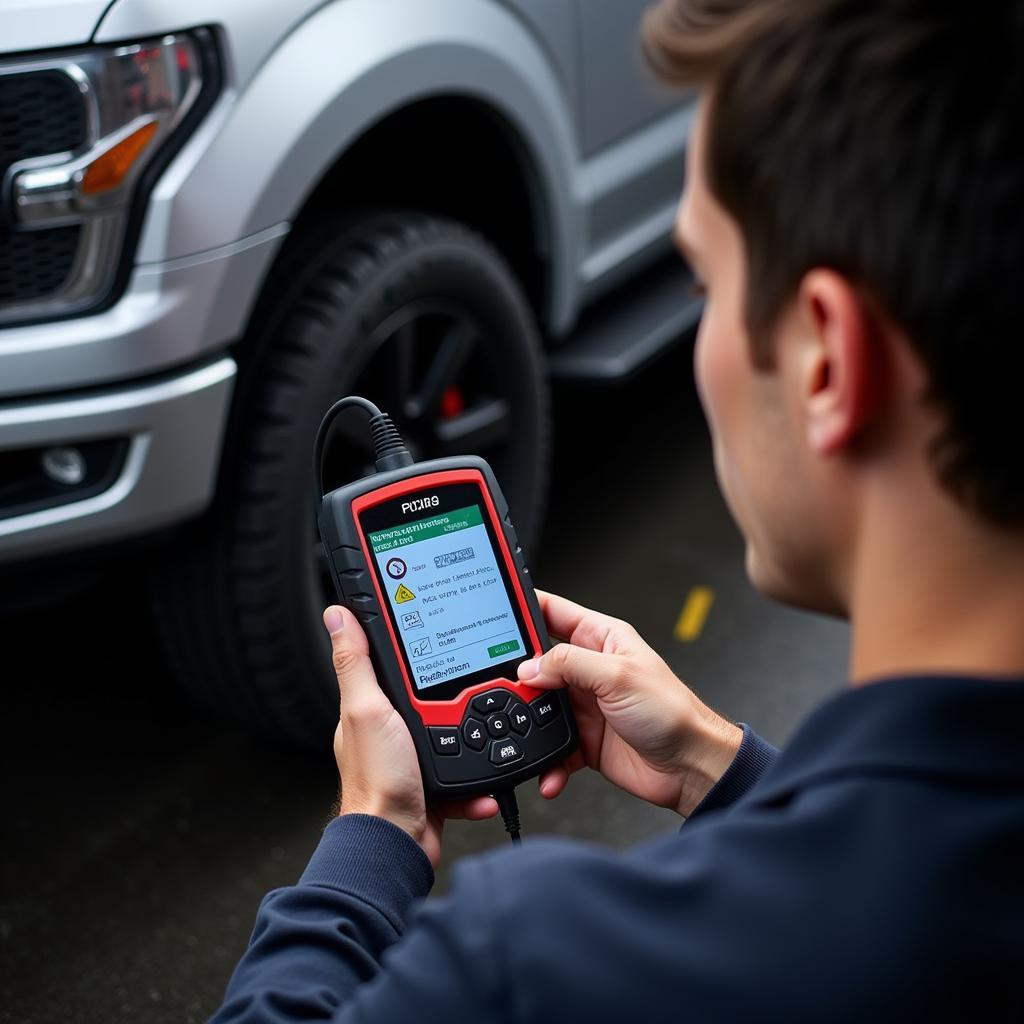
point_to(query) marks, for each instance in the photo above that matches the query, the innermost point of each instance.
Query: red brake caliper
(451, 403)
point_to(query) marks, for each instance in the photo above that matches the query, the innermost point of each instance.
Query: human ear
(841, 372)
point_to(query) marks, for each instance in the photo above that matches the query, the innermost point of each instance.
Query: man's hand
(640, 726)
(376, 757)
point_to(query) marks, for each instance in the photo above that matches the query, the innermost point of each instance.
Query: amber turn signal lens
(109, 170)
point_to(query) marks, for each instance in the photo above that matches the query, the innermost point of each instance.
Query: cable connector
(509, 808)
(388, 447)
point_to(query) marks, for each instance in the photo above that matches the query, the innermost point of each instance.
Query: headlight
(112, 112)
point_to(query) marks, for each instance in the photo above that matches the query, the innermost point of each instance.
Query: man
(854, 207)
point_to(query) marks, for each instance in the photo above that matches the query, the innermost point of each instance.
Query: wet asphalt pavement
(138, 837)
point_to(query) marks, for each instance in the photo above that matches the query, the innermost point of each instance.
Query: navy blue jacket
(872, 871)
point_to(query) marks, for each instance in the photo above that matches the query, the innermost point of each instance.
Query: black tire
(239, 600)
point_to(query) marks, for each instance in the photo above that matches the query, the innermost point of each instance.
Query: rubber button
(347, 559)
(492, 700)
(361, 602)
(545, 710)
(505, 751)
(445, 740)
(497, 725)
(519, 718)
(474, 734)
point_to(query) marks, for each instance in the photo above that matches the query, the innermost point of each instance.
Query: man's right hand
(640, 725)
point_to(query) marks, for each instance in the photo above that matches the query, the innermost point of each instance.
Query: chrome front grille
(41, 112)
(35, 264)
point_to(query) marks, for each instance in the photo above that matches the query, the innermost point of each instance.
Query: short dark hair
(883, 139)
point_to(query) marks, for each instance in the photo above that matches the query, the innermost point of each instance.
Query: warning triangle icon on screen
(403, 594)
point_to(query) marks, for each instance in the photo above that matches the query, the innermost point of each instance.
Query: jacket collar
(948, 727)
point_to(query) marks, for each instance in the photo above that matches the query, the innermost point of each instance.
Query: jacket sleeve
(752, 760)
(327, 948)
(315, 942)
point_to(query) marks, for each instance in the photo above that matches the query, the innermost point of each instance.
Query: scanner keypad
(498, 729)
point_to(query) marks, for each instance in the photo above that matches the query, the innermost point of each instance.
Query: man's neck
(934, 591)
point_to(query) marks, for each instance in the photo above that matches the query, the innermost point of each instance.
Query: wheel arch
(344, 75)
(479, 172)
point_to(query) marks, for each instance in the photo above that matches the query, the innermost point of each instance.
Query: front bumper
(172, 315)
(174, 428)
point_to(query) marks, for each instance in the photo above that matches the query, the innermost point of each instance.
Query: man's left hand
(376, 757)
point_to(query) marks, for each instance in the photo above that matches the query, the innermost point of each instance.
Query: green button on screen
(504, 648)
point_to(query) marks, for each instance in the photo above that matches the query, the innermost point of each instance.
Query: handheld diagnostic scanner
(426, 557)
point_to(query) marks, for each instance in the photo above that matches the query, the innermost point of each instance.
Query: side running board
(628, 329)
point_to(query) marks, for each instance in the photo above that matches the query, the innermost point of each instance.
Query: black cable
(509, 807)
(389, 449)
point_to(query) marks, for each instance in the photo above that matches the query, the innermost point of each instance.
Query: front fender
(342, 70)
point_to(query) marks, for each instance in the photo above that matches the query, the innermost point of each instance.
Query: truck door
(633, 139)
(619, 94)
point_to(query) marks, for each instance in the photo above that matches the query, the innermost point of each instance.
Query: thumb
(568, 665)
(350, 654)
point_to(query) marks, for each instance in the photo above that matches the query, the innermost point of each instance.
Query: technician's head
(854, 208)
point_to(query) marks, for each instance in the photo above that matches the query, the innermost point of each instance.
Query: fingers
(568, 665)
(581, 626)
(562, 615)
(474, 809)
(553, 782)
(340, 622)
(357, 683)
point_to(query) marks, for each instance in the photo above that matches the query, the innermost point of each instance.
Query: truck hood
(41, 24)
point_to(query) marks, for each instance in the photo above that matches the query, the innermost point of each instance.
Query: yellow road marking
(694, 614)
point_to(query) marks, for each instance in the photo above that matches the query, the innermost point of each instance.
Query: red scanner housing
(448, 712)
(462, 750)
